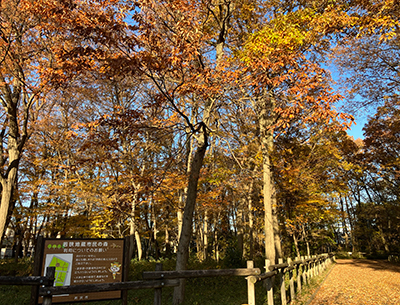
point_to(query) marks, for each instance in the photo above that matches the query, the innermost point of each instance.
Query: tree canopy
(209, 128)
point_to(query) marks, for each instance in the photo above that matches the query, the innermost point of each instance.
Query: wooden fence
(299, 271)
(305, 268)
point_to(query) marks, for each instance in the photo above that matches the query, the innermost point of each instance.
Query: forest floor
(359, 282)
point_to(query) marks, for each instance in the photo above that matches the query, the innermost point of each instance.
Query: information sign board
(84, 261)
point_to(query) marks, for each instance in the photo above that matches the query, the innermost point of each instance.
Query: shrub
(233, 258)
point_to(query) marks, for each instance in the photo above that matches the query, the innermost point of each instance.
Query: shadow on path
(371, 264)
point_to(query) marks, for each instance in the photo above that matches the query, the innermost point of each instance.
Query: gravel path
(359, 282)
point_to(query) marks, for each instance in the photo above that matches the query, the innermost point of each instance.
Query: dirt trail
(359, 282)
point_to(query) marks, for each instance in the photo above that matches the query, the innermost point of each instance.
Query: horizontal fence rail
(199, 273)
(25, 280)
(299, 272)
(135, 285)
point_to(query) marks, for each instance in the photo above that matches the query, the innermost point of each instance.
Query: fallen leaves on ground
(359, 282)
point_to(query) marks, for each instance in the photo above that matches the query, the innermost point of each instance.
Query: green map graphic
(61, 270)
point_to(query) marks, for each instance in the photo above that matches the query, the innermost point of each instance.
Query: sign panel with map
(84, 261)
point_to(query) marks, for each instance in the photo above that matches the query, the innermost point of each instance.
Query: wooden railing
(45, 281)
(159, 274)
(299, 271)
(305, 267)
(27, 280)
(47, 291)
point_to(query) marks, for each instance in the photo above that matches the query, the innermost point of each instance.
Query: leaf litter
(359, 282)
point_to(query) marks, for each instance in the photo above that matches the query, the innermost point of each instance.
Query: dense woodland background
(216, 119)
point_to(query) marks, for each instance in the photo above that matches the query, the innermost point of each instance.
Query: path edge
(316, 291)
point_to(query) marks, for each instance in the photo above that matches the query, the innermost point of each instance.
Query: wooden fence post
(282, 282)
(304, 271)
(251, 292)
(314, 266)
(158, 291)
(125, 274)
(291, 280)
(50, 273)
(321, 264)
(269, 285)
(298, 273)
(37, 264)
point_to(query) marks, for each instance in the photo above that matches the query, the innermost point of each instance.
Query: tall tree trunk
(251, 216)
(240, 227)
(308, 248)
(277, 237)
(17, 104)
(351, 222)
(201, 135)
(187, 223)
(183, 193)
(167, 242)
(134, 235)
(8, 180)
(268, 218)
(202, 236)
(205, 235)
(296, 245)
(138, 245)
(266, 118)
(305, 238)
(6, 199)
(344, 225)
(179, 215)
(155, 231)
(199, 237)
(216, 246)
(132, 231)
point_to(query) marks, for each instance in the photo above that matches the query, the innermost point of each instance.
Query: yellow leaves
(379, 18)
(275, 58)
(99, 224)
(286, 34)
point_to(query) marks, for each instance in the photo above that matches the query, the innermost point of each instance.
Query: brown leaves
(357, 282)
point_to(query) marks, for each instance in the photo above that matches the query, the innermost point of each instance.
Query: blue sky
(361, 117)
(356, 130)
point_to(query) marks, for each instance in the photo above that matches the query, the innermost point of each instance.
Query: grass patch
(15, 295)
(308, 291)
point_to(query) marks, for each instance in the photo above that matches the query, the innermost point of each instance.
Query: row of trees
(371, 63)
(203, 125)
